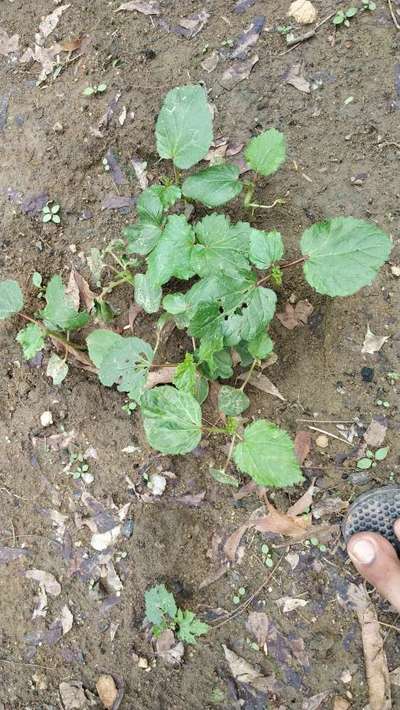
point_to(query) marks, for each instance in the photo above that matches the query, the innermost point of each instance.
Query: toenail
(363, 551)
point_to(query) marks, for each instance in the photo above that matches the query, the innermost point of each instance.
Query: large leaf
(214, 186)
(184, 126)
(99, 342)
(265, 248)
(143, 236)
(11, 298)
(172, 420)
(148, 294)
(60, 312)
(266, 153)
(220, 246)
(126, 364)
(258, 313)
(267, 455)
(171, 256)
(232, 401)
(343, 255)
(31, 340)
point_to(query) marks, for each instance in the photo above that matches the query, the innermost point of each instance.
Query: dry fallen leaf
(107, 691)
(302, 445)
(8, 44)
(232, 544)
(340, 703)
(303, 12)
(376, 432)
(9, 554)
(67, 619)
(328, 506)
(238, 72)
(373, 343)
(263, 383)
(295, 77)
(146, 8)
(247, 39)
(168, 649)
(72, 695)
(46, 579)
(191, 26)
(243, 672)
(315, 703)
(376, 667)
(293, 559)
(283, 524)
(79, 289)
(211, 62)
(290, 603)
(303, 503)
(101, 541)
(140, 168)
(49, 23)
(295, 315)
(258, 625)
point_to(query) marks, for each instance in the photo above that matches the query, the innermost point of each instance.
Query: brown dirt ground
(318, 369)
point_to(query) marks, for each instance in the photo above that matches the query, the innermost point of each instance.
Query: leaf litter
(263, 383)
(146, 8)
(238, 72)
(247, 39)
(295, 77)
(244, 672)
(190, 26)
(8, 44)
(294, 316)
(49, 23)
(373, 343)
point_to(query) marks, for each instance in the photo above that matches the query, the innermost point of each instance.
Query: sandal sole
(374, 511)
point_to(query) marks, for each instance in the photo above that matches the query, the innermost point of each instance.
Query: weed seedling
(162, 613)
(371, 458)
(203, 274)
(50, 213)
(95, 89)
(343, 17)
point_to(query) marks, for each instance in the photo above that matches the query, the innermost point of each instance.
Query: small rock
(322, 441)
(143, 663)
(346, 677)
(358, 478)
(87, 478)
(157, 484)
(367, 374)
(58, 127)
(107, 691)
(46, 419)
(395, 270)
(303, 12)
(127, 528)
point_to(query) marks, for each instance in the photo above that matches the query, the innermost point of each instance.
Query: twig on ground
(394, 18)
(297, 42)
(328, 433)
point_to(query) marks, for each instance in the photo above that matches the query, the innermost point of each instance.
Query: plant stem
(215, 430)
(230, 452)
(286, 265)
(249, 374)
(278, 201)
(125, 278)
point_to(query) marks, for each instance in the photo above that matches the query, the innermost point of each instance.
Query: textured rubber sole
(374, 511)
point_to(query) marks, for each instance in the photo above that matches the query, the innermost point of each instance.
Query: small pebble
(322, 441)
(367, 374)
(395, 270)
(127, 528)
(346, 677)
(58, 127)
(157, 484)
(87, 478)
(46, 418)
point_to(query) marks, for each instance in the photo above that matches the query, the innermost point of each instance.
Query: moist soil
(342, 159)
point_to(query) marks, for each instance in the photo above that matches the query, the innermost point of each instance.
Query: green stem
(72, 348)
(215, 430)
(126, 277)
(230, 452)
(286, 265)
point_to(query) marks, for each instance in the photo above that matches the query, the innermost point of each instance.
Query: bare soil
(331, 140)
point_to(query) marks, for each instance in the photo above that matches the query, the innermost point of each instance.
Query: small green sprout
(343, 17)
(95, 89)
(50, 213)
(368, 5)
(162, 613)
(368, 461)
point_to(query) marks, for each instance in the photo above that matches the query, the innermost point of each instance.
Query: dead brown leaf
(191, 26)
(373, 343)
(295, 77)
(376, 432)
(70, 45)
(168, 649)
(315, 703)
(258, 625)
(8, 44)
(328, 506)
(146, 8)
(232, 544)
(80, 290)
(211, 62)
(295, 315)
(374, 653)
(340, 703)
(303, 503)
(243, 672)
(107, 691)
(263, 383)
(238, 72)
(49, 23)
(140, 168)
(283, 524)
(288, 604)
(46, 580)
(72, 695)
(302, 445)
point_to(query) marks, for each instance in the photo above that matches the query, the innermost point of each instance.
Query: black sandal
(374, 511)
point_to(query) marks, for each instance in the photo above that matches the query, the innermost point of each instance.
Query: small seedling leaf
(47, 217)
(221, 476)
(364, 463)
(57, 369)
(189, 627)
(89, 91)
(168, 194)
(266, 153)
(266, 248)
(381, 454)
(214, 186)
(267, 454)
(184, 126)
(31, 340)
(343, 255)
(351, 12)
(60, 312)
(232, 401)
(159, 603)
(11, 298)
(56, 218)
(55, 209)
(172, 420)
(101, 88)
(37, 279)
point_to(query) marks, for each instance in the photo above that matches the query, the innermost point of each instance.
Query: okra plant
(214, 279)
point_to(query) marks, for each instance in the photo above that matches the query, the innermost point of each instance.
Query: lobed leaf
(221, 246)
(171, 255)
(343, 254)
(159, 602)
(188, 379)
(214, 186)
(31, 340)
(11, 298)
(266, 153)
(184, 126)
(267, 454)
(189, 626)
(172, 420)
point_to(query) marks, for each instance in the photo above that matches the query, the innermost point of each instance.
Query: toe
(376, 560)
